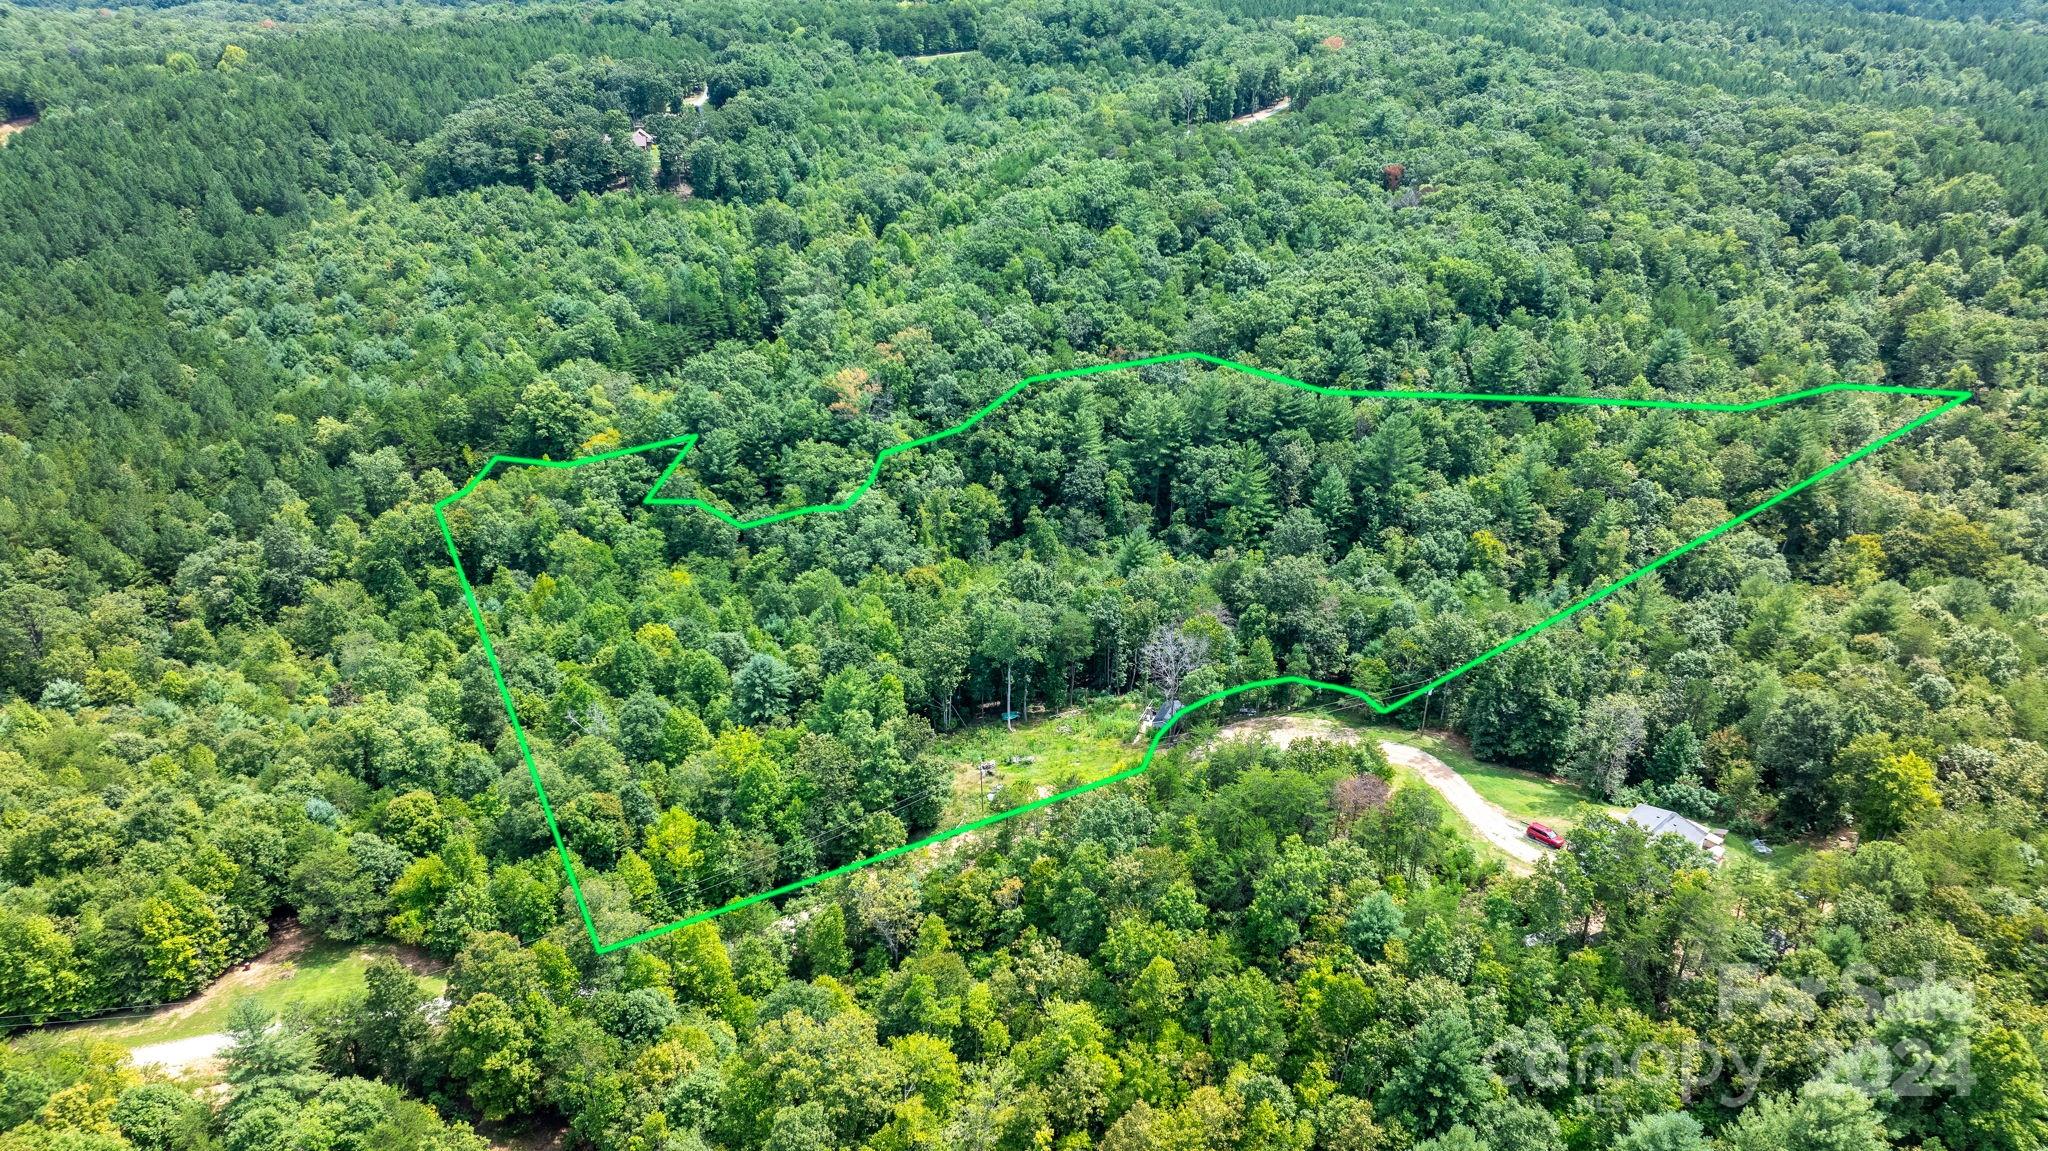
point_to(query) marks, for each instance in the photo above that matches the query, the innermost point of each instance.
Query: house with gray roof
(1657, 821)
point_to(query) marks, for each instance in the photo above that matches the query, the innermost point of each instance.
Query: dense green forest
(275, 279)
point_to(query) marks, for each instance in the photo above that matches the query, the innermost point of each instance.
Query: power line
(40, 1020)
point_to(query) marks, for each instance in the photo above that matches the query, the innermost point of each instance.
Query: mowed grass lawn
(312, 975)
(1784, 853)
(1524, 795)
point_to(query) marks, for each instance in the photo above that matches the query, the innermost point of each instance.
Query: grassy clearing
(308, 974)
(1563, 805)
(1079, 745)
(1783, 855)
(1405, 776)
(1061, 750)
(1523, 795)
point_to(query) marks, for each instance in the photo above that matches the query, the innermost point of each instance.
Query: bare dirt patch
(182, 1056)
(290, 942)
(1283, 731)
(1267, 112)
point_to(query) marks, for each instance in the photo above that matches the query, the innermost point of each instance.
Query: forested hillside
(275, 280)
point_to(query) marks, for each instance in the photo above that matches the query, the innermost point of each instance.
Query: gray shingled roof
(1658, 821)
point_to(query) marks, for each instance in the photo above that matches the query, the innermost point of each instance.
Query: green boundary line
(1954, 399)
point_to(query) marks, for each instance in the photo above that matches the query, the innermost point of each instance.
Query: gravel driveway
(1509, 835)
(1490, 821)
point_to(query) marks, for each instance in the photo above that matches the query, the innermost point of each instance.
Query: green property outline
(1954, 398)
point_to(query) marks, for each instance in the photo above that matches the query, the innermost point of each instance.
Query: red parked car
(1545, 836)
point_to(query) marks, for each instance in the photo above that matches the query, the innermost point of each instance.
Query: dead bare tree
(1357, 795)
(1171, 655)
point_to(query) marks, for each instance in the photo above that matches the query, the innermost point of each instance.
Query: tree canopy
(275, 281)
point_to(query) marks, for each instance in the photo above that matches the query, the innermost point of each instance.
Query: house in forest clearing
(1657, 821)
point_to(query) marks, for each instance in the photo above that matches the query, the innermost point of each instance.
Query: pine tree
(1331, 499)
(1248, 493)
(1677, 754)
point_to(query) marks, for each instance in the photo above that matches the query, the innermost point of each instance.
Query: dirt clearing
(1282, 731)
(1267, 112)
